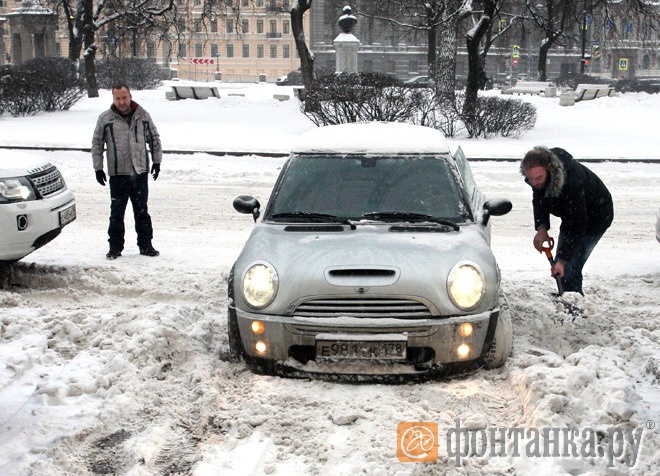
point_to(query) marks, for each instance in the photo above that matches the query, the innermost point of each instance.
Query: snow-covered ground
(118, 367)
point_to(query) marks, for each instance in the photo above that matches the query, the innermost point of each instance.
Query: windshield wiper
(315, 217)
(412, 218)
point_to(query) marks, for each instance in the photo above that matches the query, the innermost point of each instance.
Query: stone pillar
(32, 29)
(346, 44)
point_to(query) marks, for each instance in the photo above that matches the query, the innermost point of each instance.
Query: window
(197, 2)
(151, 50)
(245, 26)
(260, 26)
(260, 3)
(230, 50)
(273, 26)
(198, 50)
(413, 66)
(260, 51)
(246, 51)
(214, 50)
(198, 26)
(229, 26)
(285, 27)
(286, 51)
(273, 51)
(214, 26)
(285, 4)
(182, 50)
(245, 3)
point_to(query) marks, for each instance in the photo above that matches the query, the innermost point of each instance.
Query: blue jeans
(572, 280)
(123, 188)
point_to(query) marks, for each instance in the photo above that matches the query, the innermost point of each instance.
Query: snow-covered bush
(359, 97)
(40, 84)
(498, 116)
(136, 73)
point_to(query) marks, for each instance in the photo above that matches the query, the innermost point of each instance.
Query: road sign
(515, 51)
(623, 64)
(202, 60)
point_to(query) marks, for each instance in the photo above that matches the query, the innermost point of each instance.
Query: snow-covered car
(371, 257)
(35, 204)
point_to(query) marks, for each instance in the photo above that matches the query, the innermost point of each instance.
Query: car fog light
(463, 351)
(258, 327)
(260, 347)
(466, 329)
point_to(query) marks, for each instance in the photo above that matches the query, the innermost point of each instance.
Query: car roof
(372, 138)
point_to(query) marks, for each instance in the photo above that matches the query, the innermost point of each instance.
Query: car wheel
(502, 342)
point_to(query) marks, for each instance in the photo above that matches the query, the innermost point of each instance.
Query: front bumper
(27, 226)
(429, 343)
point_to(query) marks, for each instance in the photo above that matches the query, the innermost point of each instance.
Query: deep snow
(117, 367)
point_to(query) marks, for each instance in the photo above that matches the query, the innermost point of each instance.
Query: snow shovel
(548, 253)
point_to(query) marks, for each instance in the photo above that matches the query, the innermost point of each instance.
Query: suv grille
(48, 182)
(361, 307)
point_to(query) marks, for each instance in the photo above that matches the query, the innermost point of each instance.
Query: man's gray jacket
(130, 146)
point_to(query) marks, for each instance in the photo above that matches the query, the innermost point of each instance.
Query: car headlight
(17, 189)
(466, 286)
(260, 284)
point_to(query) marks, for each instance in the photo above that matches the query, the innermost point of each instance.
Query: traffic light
(585, 60)
(515, 61)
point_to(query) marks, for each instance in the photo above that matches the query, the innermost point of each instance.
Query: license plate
(360, 350)
(67, 215)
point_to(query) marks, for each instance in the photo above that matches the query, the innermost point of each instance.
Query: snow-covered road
(118, 367)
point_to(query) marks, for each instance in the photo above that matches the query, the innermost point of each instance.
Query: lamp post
(584, 40)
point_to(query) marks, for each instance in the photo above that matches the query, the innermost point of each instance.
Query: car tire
(502, 342)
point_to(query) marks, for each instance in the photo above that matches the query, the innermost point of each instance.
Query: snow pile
(119, 367)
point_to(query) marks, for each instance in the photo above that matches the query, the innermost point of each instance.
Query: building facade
(246, 40)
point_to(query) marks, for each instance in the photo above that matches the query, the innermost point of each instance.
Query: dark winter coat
(129, 141)
(577, 196)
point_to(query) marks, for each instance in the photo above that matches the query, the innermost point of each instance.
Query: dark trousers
(572, 280)
(123, 188)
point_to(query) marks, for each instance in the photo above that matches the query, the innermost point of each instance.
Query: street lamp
(583, 61)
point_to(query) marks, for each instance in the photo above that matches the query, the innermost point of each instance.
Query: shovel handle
(548, 249)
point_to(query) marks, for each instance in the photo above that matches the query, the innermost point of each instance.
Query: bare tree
(473, 38)
(298, 10)
(84, 21)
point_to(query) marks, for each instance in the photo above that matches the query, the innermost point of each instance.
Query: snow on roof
(373, 137)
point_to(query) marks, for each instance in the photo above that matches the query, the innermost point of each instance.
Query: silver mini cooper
(372, 257)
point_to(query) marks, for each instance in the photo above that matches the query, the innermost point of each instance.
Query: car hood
(370, 260)
(19, 164)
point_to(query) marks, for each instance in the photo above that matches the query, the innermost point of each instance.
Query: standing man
(567, 189)
(130, 137)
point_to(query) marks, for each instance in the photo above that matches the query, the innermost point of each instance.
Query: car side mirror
(495, 207)
(247, 205)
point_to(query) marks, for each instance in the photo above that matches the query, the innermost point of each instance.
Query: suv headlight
(16, 189)
(465, 285)
(260, 284)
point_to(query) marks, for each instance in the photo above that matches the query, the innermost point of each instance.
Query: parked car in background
(294, 78)
(417, 82)
(35, 204)
(372, 257)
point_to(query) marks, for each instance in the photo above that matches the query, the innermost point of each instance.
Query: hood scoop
(362, 275)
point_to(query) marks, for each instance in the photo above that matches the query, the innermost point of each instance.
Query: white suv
(35, 204)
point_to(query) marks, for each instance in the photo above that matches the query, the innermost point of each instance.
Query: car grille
(48, 182)
(363, 307)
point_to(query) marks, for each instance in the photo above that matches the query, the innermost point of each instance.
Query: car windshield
(400, 188)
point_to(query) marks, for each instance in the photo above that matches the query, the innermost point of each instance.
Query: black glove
(100, 177)
(155, 170)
